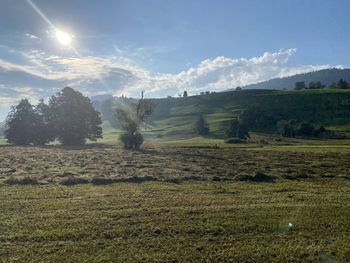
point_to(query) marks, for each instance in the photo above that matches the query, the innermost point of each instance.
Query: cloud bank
(39, 75)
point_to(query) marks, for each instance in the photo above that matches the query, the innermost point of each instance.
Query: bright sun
(63, 38)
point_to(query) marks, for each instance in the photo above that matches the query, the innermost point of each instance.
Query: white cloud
(118, 74)
(32, 36)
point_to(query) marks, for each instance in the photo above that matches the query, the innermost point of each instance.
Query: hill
(175, 116)
(325, 76)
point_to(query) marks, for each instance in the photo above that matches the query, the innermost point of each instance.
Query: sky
(164, 47)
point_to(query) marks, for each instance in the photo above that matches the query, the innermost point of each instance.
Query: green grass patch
(160, 222)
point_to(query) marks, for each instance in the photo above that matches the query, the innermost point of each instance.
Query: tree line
(70, 118)
(341, 84)
(255, 118)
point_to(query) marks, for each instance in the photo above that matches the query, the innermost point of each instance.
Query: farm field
(175, 203)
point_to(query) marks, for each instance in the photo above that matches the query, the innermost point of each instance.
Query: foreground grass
(160, 222)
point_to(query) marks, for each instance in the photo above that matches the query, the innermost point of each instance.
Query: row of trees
(292, 128)
(254, 118)
(69, 117)
(341, 84)
(235, 129)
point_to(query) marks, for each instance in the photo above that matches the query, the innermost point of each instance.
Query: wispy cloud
(32, 36)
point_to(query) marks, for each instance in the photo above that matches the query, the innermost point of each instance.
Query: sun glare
(63, 38)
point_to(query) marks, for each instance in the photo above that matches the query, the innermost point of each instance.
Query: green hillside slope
(176, 116)
(326, 107)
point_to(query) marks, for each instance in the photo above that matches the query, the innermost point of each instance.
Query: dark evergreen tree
(23, 124)
(342, 84)
(201, 127)
(237, 129)
(242, 131)
(73, 118)
(185, 94)
(44, 130)
(286, 128)
(316, 85)
(232, 129)
(306, 129)
(300, 85)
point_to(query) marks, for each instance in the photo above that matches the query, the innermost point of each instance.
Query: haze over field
(164, 47)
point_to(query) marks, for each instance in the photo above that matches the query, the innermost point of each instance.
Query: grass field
(176, 202)
(162, 222)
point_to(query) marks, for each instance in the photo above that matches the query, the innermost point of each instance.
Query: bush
(132, 141)
(237, 129)
(286, 128)
(306, 129)
(131, 119)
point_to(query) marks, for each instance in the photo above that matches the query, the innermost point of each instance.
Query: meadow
(182, 197)
(176, 201)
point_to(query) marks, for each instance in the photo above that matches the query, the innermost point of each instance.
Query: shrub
(131, 141)
(131, 120)
(237, 129)
(286, 128)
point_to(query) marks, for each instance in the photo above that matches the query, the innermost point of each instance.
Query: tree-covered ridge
(326, 76)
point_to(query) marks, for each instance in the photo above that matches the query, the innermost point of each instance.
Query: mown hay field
(174, 204)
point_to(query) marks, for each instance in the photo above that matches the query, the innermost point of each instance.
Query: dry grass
(174, 204)
(113, 164)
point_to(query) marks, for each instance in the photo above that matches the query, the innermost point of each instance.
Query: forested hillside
(326, 76)
(177, 115)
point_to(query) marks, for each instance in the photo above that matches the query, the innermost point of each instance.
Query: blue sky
(164, 46)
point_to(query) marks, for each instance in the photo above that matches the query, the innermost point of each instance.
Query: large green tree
(24, 124)
(73, 118)
(237, 129)
(44, 131)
